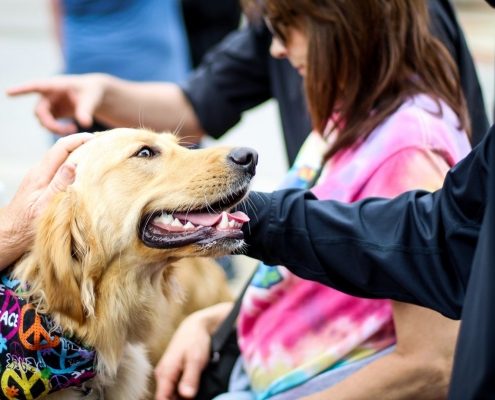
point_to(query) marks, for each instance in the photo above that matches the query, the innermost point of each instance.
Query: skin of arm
(159, 106)
(114, 102)
(420, 364)
(423, 357)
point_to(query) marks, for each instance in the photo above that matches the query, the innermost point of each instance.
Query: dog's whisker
(192, 144)
(183, 142)
(140, 115)
(250, 204)
(180, 125)
(257, 194)
(188, 209)
(148, 219)
(207, 204)
(246, 204)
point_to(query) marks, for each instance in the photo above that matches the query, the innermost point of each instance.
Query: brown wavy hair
(365, 58)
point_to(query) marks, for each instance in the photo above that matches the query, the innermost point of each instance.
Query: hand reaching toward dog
(65, 96)
(51, 176)
(179, 370)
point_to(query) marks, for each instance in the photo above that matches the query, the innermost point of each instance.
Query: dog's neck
(124, 312)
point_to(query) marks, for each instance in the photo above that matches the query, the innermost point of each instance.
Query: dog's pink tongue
(207, 219)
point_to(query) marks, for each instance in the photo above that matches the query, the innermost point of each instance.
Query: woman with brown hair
(388, 116)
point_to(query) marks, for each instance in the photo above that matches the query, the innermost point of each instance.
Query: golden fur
(91, 270)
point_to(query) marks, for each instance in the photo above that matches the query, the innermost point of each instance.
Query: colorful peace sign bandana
(36, 358)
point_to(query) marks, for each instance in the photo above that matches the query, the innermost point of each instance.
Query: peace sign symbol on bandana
(32, 333)
(24, 382)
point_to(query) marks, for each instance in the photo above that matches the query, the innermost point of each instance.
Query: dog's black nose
(244, 157)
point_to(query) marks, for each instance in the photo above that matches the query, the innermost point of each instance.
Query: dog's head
(139, 200)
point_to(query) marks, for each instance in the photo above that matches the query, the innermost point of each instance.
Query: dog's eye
(145, 152)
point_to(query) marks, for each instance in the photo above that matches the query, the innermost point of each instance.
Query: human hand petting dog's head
(51, 176)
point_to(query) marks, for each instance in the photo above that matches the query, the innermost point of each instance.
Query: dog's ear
(66, 252)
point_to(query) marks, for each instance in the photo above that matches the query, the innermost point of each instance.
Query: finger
(59, 152)
(167, 375)
(31, 87)
(189, 382)
(45, 116)
(85, 108)
(71, 142)
(64, 177)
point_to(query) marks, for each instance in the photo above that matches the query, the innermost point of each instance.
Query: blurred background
(29, 50)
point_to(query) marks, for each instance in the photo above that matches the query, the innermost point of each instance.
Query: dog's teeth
(232, 224)
(177, 223)
(189, 225)
(166, 219)
(224, 223)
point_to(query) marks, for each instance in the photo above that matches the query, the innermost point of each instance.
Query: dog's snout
(244, 157)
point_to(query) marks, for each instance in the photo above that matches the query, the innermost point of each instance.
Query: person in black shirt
(207, 23)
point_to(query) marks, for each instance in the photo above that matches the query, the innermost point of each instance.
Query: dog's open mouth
(166, 230)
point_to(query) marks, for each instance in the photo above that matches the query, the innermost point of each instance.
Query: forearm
(12, 244)
(366, 249)
(160, 106)
(211, 317)
(392, 377)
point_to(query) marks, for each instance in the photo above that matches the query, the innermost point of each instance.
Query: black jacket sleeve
(232, 78)
(416, 248)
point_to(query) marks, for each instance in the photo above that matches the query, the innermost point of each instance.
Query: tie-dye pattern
(291, 329)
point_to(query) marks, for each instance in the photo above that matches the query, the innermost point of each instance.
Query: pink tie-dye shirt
(291, 329)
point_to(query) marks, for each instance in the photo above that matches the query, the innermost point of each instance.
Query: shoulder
(425, 123)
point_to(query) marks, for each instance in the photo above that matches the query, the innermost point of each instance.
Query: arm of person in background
(422, 359)
(38, 187)
(416, 248)
(113, 101)
(232, 78)
(187, 354)
(419, 367)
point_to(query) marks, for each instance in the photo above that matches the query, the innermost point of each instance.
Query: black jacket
(208, 22)
(432, 249)
(240, 74)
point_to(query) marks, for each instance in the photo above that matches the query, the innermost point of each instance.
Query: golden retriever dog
(103, 262)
